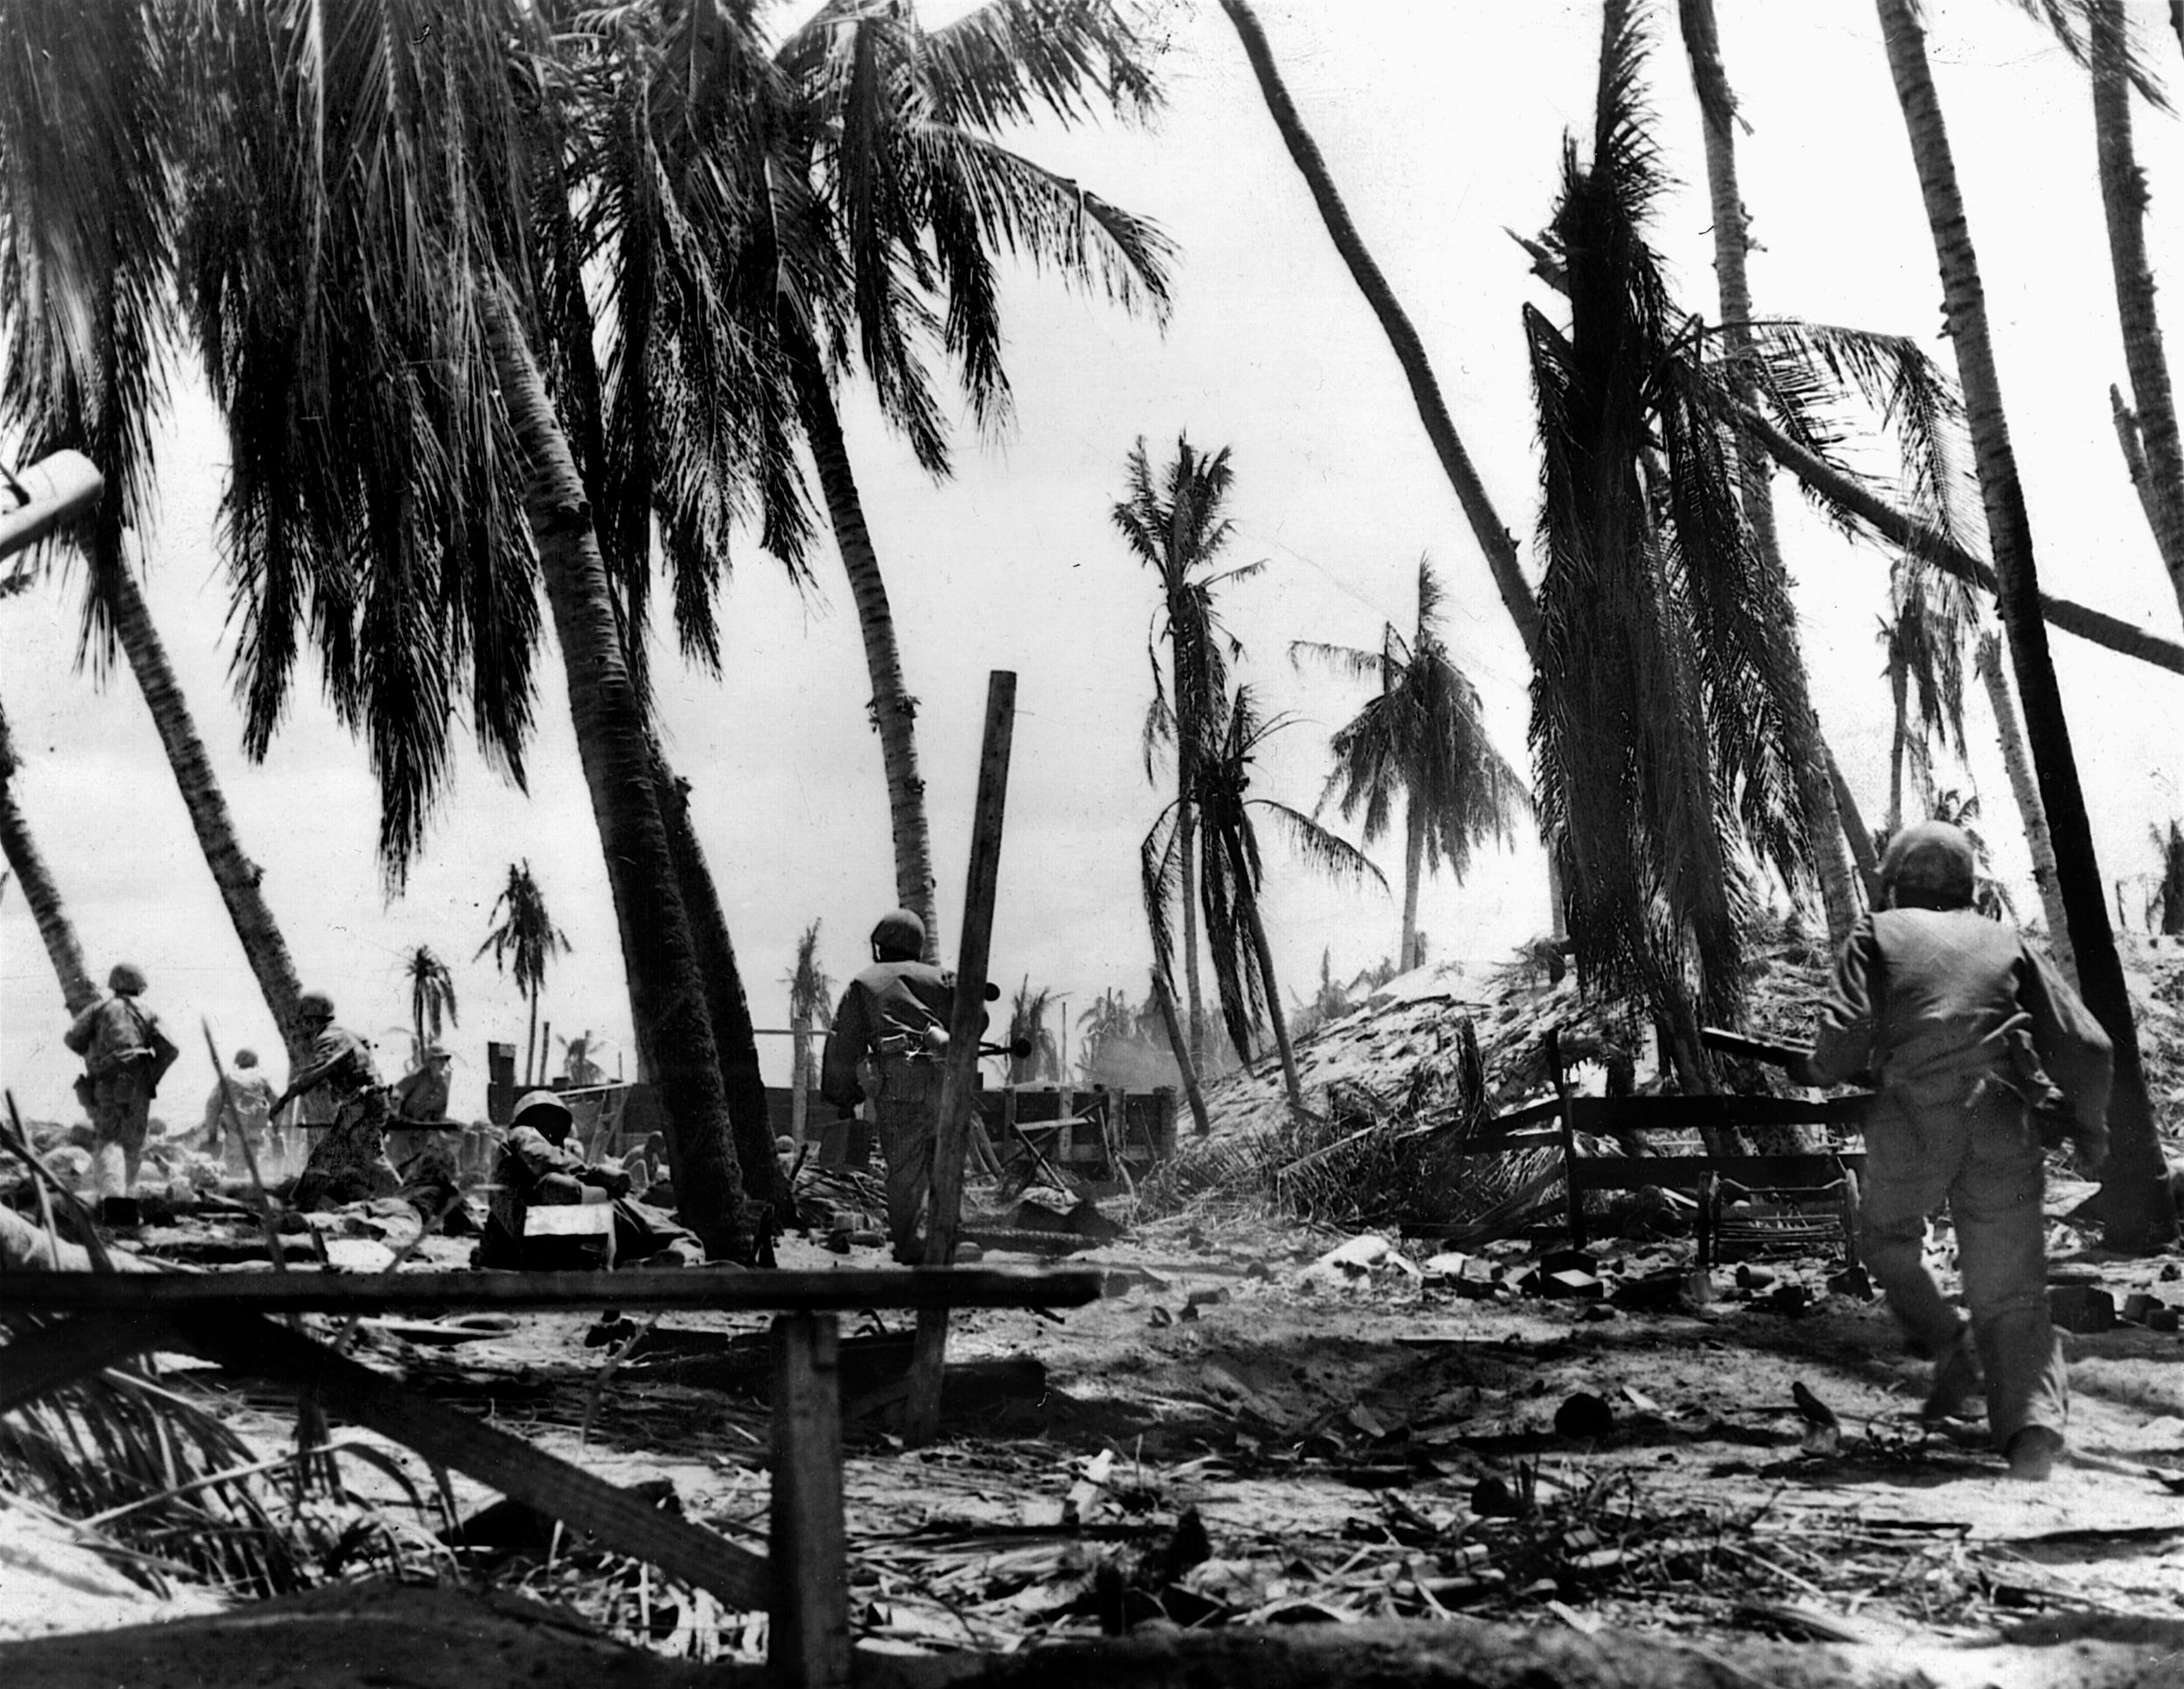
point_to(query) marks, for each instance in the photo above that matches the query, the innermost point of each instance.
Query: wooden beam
(628, 1523)
(816, 1290)
(959, 1080)
(44, 1359)
(808, 1630)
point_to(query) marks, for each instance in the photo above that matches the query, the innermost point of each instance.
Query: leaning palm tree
(1175, 525)
(889, 198)
(432, 999)
(2137, 1207)
(1231, 876)
(524, 940)
(40, 890)
(1931, 620)
(1420, 737)
(92, 147)
(2032, 814)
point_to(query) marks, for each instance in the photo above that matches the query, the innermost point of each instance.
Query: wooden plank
(817, 1290)
(809, 1645)
(1685, 1172)
(628, 1523)
(959, 1079)
(44, 1359)
(1605, 1115)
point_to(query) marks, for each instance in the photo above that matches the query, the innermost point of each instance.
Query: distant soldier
(125, 1057)
(349, 1162)
(249, 1094)
(895, 1014)
(1971, 1037)
(420, 1095)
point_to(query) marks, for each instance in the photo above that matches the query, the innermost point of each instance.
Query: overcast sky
(1443, 122)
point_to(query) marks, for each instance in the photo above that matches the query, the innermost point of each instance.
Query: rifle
(1787, 1057)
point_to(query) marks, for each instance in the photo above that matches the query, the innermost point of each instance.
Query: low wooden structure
(802, 1582)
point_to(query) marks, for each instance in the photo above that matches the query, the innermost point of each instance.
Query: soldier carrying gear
(537, 1168)
(895, 1015)
(125, 1057)
(348, 1163)
(247, 1099)
(1968, 1032)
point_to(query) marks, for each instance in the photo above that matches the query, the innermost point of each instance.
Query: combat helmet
(314, 1005)
(899, 932)
(542, 1102)
(1931, 863)
(126, 980)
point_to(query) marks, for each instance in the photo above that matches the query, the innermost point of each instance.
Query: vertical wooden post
(1165, 999)
(959, 1081)
(1065, 1134)
(808, 1624)
(799, 1079)
(1572, 1186)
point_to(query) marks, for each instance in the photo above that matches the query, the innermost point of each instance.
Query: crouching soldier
(349, 1162)
(538, 1168)
(1970, 1036)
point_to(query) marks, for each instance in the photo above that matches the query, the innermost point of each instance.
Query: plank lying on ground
(53, 1355)
(629, 1524)
(818, 1291)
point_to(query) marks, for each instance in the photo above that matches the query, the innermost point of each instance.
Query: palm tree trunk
(1200, 1121)
(1260, 948)
(2029, 809)
(727, 1004)
(1899, 733)
(894, 711)
(530, 1043)
(38, 890)
(1407, 957)
(668, 998)
(1186, 826)
(2157, 464)
(233, 873)
(1853, 833)
(1701, 39)
(1494, 538)
(2135, 1196)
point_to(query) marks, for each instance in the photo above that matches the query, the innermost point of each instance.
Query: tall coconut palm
(91, 164)
(1420, 737)
(432, 999)
(2031, 812)
(1231, 875)
(810, 1007)
(1732, 241)
(1660, 703)
(889, 201)
(1176, 526)
(2138, 1209)
(1931, 618)
(40, 890)
(524, 940)
(1027, 1025)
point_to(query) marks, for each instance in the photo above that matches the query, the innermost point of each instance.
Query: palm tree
(91, 148)
(1027, 1025)
(1931, 618)
(889, 198)
(1420, 736)
(1718, 107)
(28, 866)
(1176, 527)
(1231, 876)
(432, 999)
(2031, 812)
(811, 1005)
(2138, 1209)
(1110, 1023)
(522, 943)
(1659, 703)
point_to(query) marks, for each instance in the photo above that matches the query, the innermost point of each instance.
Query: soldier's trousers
(348, 1163)
(121, 1111)
(908, 1114)
(1984, 1161)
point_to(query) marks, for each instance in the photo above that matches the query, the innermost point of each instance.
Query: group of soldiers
(1967, 1035)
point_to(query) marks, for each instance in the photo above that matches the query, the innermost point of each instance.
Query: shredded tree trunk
(2136, 1204)
(668, 1004)
(1815, 796)
(894, 710)
(39, 891)
(1265, 953)
(235, 874)
(2151, 446)
(1408, 956)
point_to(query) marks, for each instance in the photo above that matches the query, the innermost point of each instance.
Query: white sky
(1442, 122)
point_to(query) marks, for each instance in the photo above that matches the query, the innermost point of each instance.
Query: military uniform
(1967, 1032)
(537, 1168)
(348, 1161)
(896, 1016)
(114, 1039)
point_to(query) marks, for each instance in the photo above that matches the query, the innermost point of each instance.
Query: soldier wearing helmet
(125, 1055)
(1970, 1036)
(896, 1016)
(238, 1108)
(349, 1162)
(540, 1167)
